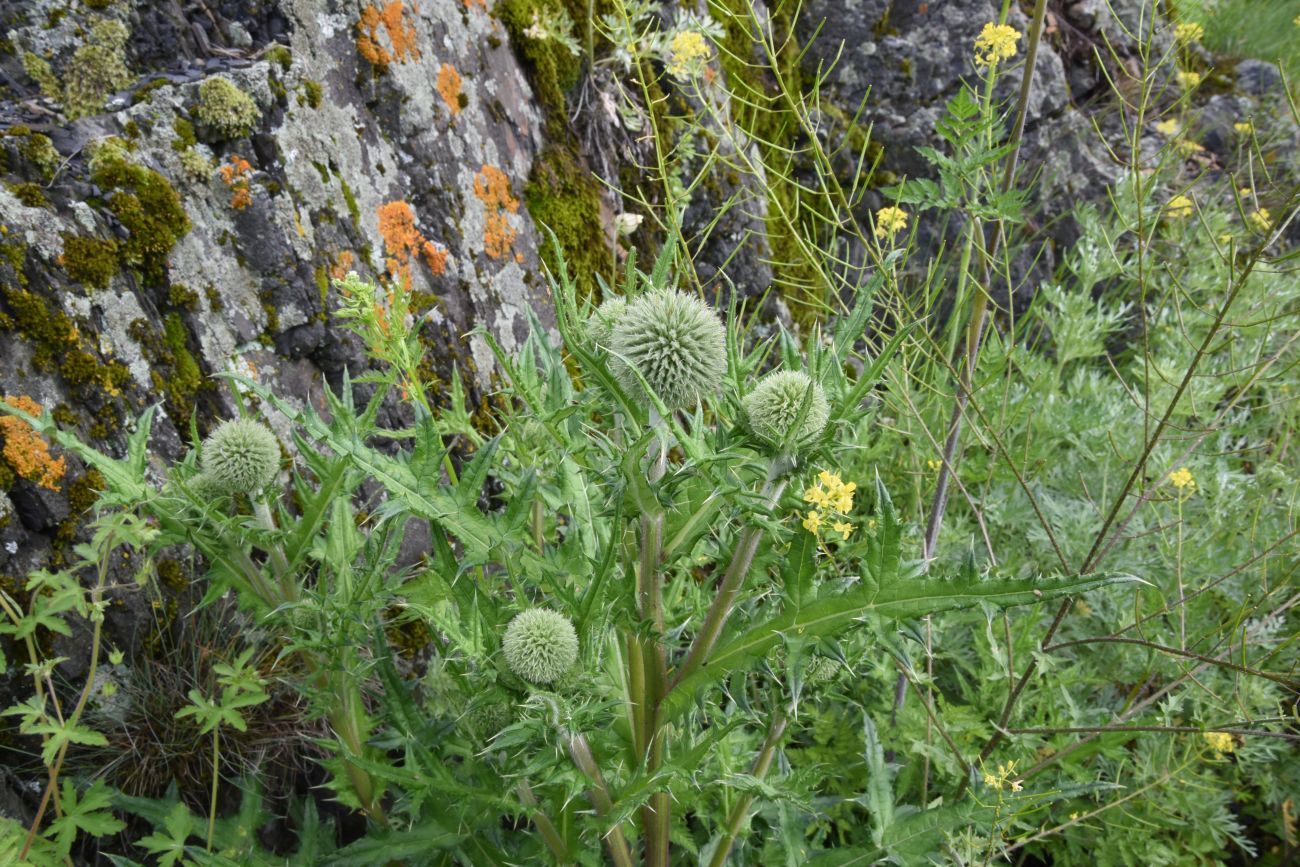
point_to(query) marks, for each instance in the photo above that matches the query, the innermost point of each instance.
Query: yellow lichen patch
(235, 175)
(449, 87)
(403, 241)
(493, 189)
(393, 20)
(25, 450)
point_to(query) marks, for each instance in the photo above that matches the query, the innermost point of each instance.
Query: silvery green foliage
(775, 405)
(601, 323)
(241, 457)
(540, 645)
(675, 341)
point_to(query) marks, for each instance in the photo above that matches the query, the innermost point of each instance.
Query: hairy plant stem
(656, 815)
(738, 816)
(732, 581)
(545, 827)
(585, 761)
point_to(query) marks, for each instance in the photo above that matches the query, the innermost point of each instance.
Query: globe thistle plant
(540, 645)
(675, 342)
(601, 323)
(241, 457)
(787, 409)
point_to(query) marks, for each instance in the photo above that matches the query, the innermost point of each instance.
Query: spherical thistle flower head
(241, 456)
(782, 400)
(600, 325)
(675, 342)
(540, 645)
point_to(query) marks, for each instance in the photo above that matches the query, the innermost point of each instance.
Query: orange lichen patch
(493, 188)
(25, 450)
(449, 87)
(401, 35)
(235, 175)
(342, 265)
(403, 241)
(470, 4)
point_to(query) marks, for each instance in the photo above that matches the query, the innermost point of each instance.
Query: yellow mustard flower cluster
(1220, 742)
(1002, 778)
(996, 42)
(1188, 80)
(1179, 207)
(1181, 479)
(1189, 32)
(689, 52)
(890, 221)
(1244, 128)
(1168, 126)
(832, 501)
(1261, 220)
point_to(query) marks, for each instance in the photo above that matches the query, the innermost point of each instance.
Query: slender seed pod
(241, 457)
(675, 342)
(540, 645)
(777, 404)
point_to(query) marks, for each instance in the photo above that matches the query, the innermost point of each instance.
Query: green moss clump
(38, 70)
(96, 70)
(555, 68)
(29, 194)
(146, 205)
(85, 491)
(351, 200)
(225, 108)
(195, 165)
(172, 575)
(186, 376)
(185, 137)
(180, 295)
(564, 196)
(92, 261)
(280, 54)
(143, 93)
(312, 93)
(39, 151)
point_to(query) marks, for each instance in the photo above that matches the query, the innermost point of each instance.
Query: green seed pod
(483, 722)
(675, 341)
(241, 456)
(540, 645)
(776, 404)
(601, 323)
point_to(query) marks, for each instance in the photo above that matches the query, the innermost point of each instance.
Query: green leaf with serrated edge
(912, 596)
(385, 848)
(880, 788)
(799, 567)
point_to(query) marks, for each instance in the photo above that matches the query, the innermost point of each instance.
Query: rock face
(261, 150)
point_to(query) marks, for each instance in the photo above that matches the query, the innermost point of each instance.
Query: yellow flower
(813, 522)
(1220, 742)
(844, 528)
(817, 496)
(1187, 147)
(831, 480)
(1188, 80)
(1261, 220)
(1245, 128)
(1189, 32)
(996, 42)
(1179, 207)
(689, 53)
(1001, 779)
(1167, 127)
(890, 221)
(934, 465)
(1182, 478)
(1245, 192)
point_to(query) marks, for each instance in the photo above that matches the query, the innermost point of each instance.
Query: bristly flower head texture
(601, 323)
(675, 341)
(241, 456)
(775, 405)
(540, 645)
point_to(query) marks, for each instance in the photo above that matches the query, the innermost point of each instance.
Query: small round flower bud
(241, 456)
(675, 342)
(820, 669)
(600, 325)
(777, 403)
(540, 645)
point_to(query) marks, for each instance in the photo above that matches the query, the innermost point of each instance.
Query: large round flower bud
(241, 456)
(601, 323)
(675, 341)
(776, 404)
(540, 645)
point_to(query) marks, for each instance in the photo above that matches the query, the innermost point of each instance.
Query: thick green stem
(656, 815)
(216, 777)
(739, 815)
(545, 827)
(585, 761)
(729, 589)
